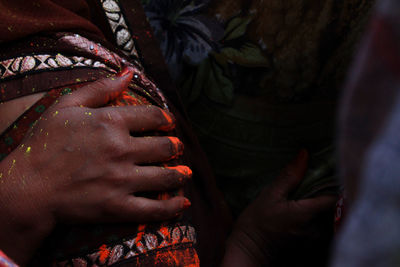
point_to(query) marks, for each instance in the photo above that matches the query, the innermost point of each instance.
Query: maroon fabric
(29, 27)
(21, 18)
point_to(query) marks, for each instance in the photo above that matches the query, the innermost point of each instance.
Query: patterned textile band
(164, 240)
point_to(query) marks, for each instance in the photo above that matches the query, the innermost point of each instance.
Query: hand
(80, 164)
(272, 223)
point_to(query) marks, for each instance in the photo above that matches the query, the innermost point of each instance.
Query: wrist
(246, 247)
(24, 219)
(20, 241)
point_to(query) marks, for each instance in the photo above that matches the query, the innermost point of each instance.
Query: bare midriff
(11, 110)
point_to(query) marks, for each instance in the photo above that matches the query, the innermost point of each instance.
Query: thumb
(292, 175)
(100, 92)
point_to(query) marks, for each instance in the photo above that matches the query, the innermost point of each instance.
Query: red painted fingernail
(186, 204)
(170, 122)
(178, 146)
(186, 171)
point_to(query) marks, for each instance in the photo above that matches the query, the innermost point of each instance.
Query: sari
(58, 46)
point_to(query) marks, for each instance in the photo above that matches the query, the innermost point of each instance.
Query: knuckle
(135, 147)
(111, 206)
(117, 176)
(110, 147)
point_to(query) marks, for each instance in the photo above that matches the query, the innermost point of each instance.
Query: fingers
(318, 204)
(292, 175)
(158, 179)
(307, 209)
(140, 209)
(145, 118)
(100, 92)
(155, 149)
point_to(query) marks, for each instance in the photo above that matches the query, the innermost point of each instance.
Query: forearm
(23, 225)
(19, 244)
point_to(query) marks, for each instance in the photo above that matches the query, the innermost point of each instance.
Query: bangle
(5, 261)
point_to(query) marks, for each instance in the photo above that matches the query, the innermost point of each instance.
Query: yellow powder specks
(12, 167)
(28, 150)
(55, 113)
(45, 146)
(66, 123)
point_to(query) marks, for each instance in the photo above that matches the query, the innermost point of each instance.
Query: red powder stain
(177, 258)
(165, 232)
(178, 147)
(140, 234)
(171, 124)
(104, 252)
(186, 171)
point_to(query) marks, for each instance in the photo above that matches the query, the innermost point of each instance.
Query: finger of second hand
(292, 175)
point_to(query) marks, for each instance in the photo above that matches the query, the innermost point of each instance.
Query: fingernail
(186, 204)
(184, 170)
(124, 72)
(170, 122)
(178, 146)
